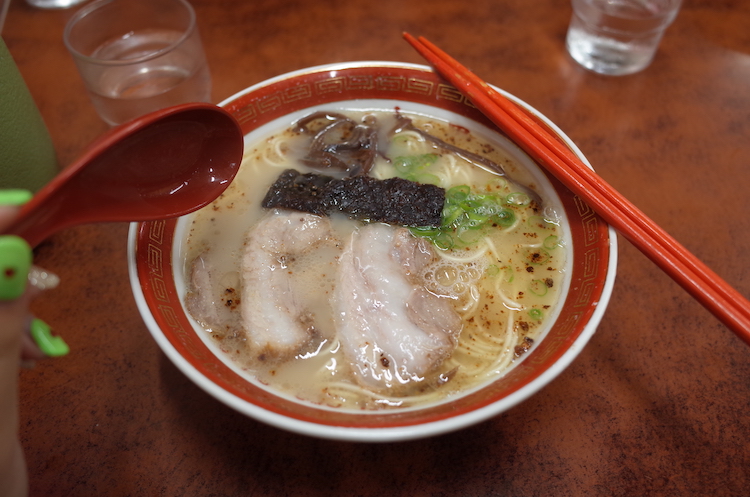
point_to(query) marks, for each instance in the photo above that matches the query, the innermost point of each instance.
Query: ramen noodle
(271, 290)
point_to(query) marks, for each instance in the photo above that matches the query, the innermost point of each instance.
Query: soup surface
(346, 312)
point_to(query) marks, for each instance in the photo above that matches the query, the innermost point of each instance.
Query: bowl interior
(156, 266)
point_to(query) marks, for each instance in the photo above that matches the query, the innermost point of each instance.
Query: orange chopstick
(587, 175)
(728, 305)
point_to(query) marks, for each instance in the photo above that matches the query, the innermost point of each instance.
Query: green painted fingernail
(15, 263)
(51, 345)
(15, 197)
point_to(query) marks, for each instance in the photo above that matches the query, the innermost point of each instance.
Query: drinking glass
(54, 4)
(618, 37)
(138, 56)
(4, 4)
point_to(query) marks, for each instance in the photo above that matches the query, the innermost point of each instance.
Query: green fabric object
(27, 156)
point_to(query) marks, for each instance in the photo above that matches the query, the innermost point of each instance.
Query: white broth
(503, 278)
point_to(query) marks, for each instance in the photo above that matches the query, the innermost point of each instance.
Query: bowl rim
(386, 433)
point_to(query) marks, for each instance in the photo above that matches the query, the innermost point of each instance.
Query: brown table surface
(658, 402)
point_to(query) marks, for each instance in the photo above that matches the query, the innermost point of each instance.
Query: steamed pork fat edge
(348, 312)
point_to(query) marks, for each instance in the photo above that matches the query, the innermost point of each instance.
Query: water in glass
(618, 37)
(123, 92)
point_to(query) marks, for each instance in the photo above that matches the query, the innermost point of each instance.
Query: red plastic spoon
(165, 164)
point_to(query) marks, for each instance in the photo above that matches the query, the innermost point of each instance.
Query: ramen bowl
(157, 266)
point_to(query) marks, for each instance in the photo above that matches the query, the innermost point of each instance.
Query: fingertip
(51, 345)
(15, 263)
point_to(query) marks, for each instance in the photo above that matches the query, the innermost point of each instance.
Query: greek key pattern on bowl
(253, 109)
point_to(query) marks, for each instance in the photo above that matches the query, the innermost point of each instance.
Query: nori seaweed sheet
(392, 200)
(301, 192)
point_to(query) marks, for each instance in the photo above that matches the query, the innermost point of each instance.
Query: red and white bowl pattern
(153, 269)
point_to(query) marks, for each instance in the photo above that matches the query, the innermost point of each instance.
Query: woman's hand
(16, 343)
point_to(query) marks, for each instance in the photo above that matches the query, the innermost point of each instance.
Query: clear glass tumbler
(4, 4)
(138, 56)
(54, 4)
(618, 37)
